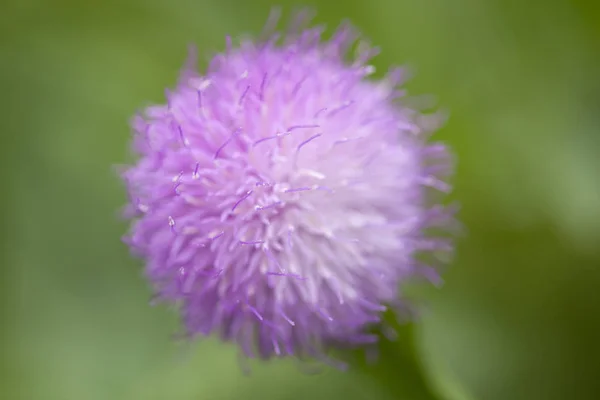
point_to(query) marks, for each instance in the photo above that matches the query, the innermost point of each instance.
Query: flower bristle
(281, 198)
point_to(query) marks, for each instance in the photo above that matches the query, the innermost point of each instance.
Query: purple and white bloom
(281, 198)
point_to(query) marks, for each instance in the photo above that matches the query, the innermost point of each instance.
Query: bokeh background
(519, 314)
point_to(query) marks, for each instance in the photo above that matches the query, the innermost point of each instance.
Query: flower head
(282, 197)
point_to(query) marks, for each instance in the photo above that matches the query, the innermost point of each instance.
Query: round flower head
(281, 198)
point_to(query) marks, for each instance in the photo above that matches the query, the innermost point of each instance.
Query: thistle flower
(281, 198)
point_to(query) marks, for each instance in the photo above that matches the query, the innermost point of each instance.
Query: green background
(519, 314)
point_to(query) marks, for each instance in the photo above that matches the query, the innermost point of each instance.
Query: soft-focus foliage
(519, 314)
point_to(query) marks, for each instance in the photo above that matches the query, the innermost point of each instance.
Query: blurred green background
(519, 314)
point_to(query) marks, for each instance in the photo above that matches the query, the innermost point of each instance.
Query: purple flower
(282, 198)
